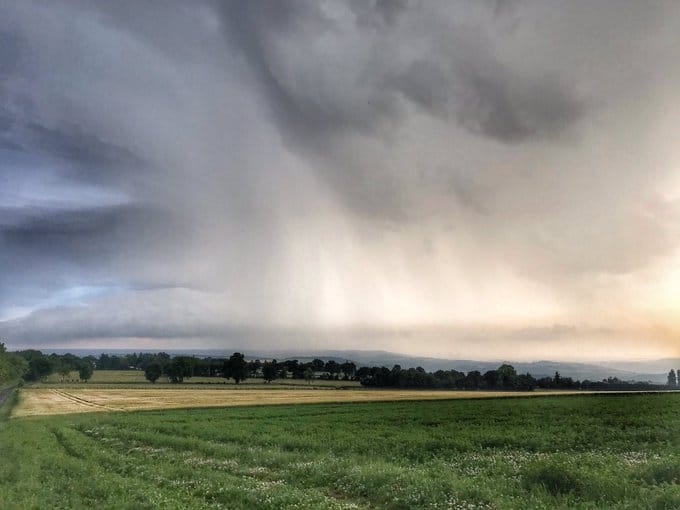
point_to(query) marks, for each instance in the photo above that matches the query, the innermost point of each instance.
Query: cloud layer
(433, 177)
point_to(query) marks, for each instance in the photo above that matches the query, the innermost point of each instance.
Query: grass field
(136, 377)
(617, 451)
(66, 400)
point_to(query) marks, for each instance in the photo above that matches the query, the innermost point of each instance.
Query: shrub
(555, 476)
(667, 471)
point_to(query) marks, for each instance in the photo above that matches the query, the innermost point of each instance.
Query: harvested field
(35, 402)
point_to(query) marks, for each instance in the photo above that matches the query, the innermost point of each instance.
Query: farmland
(44, 401)
(586, 451)
(135, 378)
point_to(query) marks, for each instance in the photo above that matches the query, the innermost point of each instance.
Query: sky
(463, 179)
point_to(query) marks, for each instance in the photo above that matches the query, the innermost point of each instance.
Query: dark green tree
(12, 366)
(236, 367)
(473, 380)
(178, 369)
(672, 380)
(526, 382)
(153, 371)
(333, 369)
(64, 371)
(254, 368)
(85, 371)
(557, 380)
(348, 369)
(308, 375)
(490, 379)
(38, 367)
(507, 377)
(269, 370)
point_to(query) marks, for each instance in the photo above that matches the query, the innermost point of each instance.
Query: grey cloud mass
(343, 67)
(420, 175)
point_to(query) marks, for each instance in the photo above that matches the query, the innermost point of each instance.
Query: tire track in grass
(83, 402)
(215, 436)
(64, 444)
(216, 481)
(281, 464)
(82, 479)
(139, 479)
(266, 463)
(260, 466)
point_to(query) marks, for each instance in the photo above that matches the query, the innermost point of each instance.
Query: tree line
(239, 369)
(33, 365)
(505, 378)
(12, 366)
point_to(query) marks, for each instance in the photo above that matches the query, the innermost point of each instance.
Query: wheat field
(41, 401)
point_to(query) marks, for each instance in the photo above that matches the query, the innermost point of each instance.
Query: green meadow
(135, 378)
(614, 451)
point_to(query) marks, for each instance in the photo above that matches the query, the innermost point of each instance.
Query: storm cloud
(424, 176)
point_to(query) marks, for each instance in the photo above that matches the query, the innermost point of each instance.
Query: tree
(672, 381)
(294, 367)
(178, 369)
(348, 368)
(236, 367)
(269, 370)
(12, 366)
(490, 378)
(507, 376)
(64, 371)
(473, 380)
(254, 367)
(85, 371)
(557, 380)
(38, 367)
(152, 372)
(526, 382)
(332, 368)
(308, 375)
(396, 376)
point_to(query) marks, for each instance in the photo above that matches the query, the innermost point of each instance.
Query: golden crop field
(34, 402)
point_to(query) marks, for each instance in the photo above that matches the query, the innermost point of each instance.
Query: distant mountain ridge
(648, 370)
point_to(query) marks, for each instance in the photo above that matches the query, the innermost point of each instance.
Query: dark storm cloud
(378, 14)
(89, 158)
(310, 107)
(44, 250)
(342, 80)
(492, 101)
(10, 53)
(464, 81)
(71, 232)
